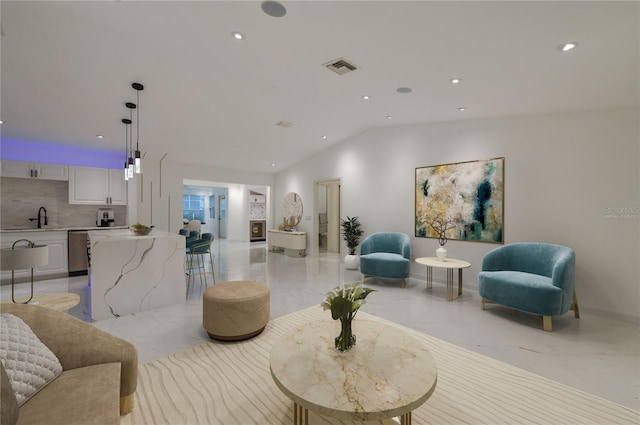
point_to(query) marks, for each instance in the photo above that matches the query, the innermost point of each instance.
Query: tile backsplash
(20, 200)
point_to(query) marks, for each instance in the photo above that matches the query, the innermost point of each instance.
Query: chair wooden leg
(546, 323)
(574, 305)
(363, 278)
(403, 283)
(483, 302)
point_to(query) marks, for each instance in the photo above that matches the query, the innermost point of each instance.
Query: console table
(449, 264)
(293, 243)
(388, 373)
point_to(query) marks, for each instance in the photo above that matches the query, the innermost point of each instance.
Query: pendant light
(126, 123)
(130, 161)
(137, 160)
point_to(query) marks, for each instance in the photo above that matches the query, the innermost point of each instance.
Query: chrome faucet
(46, 220)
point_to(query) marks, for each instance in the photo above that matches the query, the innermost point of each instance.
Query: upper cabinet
(34, 170)
(97, 186)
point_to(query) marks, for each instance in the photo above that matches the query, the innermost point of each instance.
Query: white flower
(345, 301)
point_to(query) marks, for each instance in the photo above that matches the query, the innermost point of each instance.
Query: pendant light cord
(131, 134)
(137, 122)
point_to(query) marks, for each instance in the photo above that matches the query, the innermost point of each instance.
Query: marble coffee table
(387, 374)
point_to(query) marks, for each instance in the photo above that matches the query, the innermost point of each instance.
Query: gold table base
(450, 292)
(301, 416)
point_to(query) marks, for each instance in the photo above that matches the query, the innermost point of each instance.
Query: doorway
(222, 216)
(327, 215)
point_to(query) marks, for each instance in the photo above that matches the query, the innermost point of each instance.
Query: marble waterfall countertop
(131, 273)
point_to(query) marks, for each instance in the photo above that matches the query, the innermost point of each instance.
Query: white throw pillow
(30, 365)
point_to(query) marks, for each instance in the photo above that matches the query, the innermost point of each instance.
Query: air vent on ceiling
(285, 124)
(340, 66)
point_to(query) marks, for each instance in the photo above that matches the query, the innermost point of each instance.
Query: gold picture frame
(467, 195)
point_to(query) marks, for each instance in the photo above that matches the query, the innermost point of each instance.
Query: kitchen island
(130, 274)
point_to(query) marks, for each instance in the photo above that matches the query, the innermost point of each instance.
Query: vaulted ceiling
(67, 69)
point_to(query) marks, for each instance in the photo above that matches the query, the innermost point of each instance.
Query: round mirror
(291, 210)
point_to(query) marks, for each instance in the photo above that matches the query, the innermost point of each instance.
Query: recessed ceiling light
(404, 90)
(366, 97)
(238, 35)
(1, 121)
(462, 109)
(389, 117)
(99, 136)
(455, 81)
(324, 137)
(567, 46)
(273, 165)
(273, 8)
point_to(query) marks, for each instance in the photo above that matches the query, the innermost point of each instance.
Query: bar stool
(196, 261)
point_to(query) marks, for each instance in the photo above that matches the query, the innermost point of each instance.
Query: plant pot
(352, 262)
(441, 253)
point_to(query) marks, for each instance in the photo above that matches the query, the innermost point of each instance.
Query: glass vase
(346, 339)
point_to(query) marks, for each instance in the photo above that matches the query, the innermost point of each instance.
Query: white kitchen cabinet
(117, 187)
(58, 253)
(97, 186)
(34, 170)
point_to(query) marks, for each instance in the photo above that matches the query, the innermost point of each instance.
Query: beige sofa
(98, 381)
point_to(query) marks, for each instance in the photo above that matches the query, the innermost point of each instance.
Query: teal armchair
(536, 278)
(386, 254)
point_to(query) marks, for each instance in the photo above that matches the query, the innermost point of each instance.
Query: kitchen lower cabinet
(97, 186)
(58, 254)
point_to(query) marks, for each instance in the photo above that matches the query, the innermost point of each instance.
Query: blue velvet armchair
(536, 278)
(386, 254)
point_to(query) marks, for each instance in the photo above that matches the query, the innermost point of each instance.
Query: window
(193, 207)
(212, 206)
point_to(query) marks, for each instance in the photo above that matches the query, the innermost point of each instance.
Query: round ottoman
(233, 311)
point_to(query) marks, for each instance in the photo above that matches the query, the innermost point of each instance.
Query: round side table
(450, 264)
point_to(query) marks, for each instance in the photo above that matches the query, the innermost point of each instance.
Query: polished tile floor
(594, 354)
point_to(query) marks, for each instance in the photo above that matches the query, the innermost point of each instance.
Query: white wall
(562, 172)
(160, 194)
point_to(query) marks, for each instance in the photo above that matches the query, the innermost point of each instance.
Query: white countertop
(125, 233)
(59, 229)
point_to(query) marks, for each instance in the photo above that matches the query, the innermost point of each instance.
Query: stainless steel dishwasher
(78, 252)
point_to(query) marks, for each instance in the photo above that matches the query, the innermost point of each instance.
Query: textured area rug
(230, 384)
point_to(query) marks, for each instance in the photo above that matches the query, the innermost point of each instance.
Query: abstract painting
(467, 195)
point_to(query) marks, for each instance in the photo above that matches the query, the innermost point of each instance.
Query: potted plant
(351, 233)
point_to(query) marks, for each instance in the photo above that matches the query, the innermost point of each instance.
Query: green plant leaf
(340, 308)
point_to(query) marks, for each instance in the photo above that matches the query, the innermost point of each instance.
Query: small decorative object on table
(440, 225)
(344, 303)
(141, 229)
